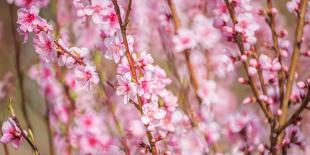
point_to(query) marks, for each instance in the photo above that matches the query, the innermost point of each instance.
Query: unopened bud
(301, 84)
(242, 80)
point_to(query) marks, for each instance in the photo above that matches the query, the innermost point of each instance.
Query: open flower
(28, 18)
(152, 114)
(11, 133)
(184, 40)
(125, 87)
(86, 76)
(115, 47)
(44, 47)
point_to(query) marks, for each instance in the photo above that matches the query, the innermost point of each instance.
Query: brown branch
(272, 25)
(294, 60)
(132, 66)
(64, 51)
(297, 113)
(111, 107)
(239, 41)
(177, 24)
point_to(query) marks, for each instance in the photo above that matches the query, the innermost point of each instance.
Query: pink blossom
(184, 40)
(29, 3)
(265, 62)
(11, 133)
(252, 71)
(152, 114)
(115, 47)
(145, 86)
(44, 47)
(28, 19)
(144, 60)
(86, 76)
(125, 87)
(293, 5)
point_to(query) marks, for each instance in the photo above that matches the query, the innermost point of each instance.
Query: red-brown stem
(177, 23)
(239, 41)
(71, 117)
(123, 27)
(49, 128)
(272, 25)
(64, 51)
(19, 71)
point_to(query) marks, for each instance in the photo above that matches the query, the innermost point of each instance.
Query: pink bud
(308, 81)
(263, 97)
(279, 112)
(243, 58)
(242, 80)
(307, 53)
(247, 100)
(252, 71)
(274, 11)
(253, 62)
(284, 53)
(301, 84)
(282, 33)
(261, 12)
(261, 147)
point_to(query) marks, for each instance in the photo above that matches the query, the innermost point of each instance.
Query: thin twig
(239, 40)
(132, 66)
(24, 135)
(294, 60)
(18, 68)
(272, 25)
(297, 113)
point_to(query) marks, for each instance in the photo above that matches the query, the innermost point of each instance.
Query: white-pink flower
(152, 114)
(145, 86)
(86, 76)
(185, 39)
(28, 19)
(144, 60)
(115, 47)
(43, 43)
(125, 87)
(11, 133)
(29, 3)
(264, 62)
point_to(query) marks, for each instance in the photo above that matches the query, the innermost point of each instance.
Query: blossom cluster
(164, 76)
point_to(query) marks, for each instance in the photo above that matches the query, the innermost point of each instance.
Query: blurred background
(35, 102)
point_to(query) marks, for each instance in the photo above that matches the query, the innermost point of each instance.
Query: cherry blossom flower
(44, 47)
(144, 60)
(184, 40)
(152, 114)
(29, 3)
(115, 47)
(28, 19)
(11, 133)
(145, 86)
(86, 76)
(125, 87)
